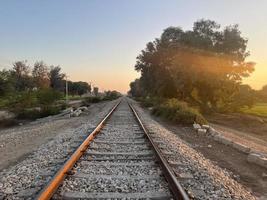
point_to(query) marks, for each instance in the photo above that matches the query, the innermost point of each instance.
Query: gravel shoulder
(208, 179)
(31, 154)
(17, 143)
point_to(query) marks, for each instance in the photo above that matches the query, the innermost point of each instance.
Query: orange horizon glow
(120, 82)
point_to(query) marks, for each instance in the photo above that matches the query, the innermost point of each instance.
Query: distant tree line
(22, 78)
(23, 88)
(79, 88)
(204, 67)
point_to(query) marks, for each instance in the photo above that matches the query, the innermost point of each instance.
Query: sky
(97, 41)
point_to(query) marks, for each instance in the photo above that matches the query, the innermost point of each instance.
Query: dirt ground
(250, 175)
(249, 126)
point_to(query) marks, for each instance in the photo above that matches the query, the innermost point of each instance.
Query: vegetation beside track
(258, 109)
(33, 92)
(197, 71)
(173, 110)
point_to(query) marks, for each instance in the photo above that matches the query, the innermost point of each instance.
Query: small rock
(201, 130)
(185, 176)
(196, 126)
(205, 126)
(8, 190)
(209, 146)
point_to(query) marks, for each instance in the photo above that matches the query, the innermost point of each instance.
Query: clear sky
(98, 40)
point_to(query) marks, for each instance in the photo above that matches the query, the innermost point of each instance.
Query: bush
(39, 113)
(178, 112)
(89, 100)
(111, 95)
(149, 101)
(48, 96)
(21, 100)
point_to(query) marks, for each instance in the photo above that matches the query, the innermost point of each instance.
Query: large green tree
(203, 66)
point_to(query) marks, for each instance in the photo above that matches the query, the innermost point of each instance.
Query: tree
(111, 95)
(6, 85)
(203, 66)
(136, 89)
(40, 75)
(46, 97)
(21, 76)
(262, 94)
(95, 91)
(56, 78)
(78, 88)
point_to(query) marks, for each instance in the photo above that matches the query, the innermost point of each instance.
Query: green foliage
(111, 95)
(48, 96)
(36, 94)
(95, 91)
(78, 88)
(56, 78)
(259, 109)
(40, 75)
(203, 66)
(19, 101)
(262, 94)
(6, 84)
(136, 89)
(178, 112)
(36, 113)
(150, 101)
(20, 75)
(89, 100)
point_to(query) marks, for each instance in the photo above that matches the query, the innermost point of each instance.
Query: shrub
(111, 95)
(149, 101)
(48, 96)
(89, 100)
(179, 112)
(21, 100)
(37, 113)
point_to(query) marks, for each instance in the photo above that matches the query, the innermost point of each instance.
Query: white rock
(83, 108)
(213, 131)
(201, 130)
(196, 126)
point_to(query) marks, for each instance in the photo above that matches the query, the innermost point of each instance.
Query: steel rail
(175, 186)
(55, 182)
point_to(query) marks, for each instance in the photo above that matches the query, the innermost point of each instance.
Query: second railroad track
(118, 160)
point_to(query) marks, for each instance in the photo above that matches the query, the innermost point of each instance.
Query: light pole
(67, 98)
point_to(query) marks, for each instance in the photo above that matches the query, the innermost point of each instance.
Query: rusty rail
(176, 188)
(53, 185)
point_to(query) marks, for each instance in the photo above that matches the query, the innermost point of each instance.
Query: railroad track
(118, 160)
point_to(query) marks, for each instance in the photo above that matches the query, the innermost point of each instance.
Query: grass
(75, 97)
(259, 109)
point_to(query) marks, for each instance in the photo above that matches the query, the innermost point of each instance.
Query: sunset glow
(98, 42)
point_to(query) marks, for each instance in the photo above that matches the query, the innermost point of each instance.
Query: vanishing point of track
(118, 160)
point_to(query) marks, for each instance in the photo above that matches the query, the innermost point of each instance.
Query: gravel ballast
(200, 178)
(25, 179)
(109, 168)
